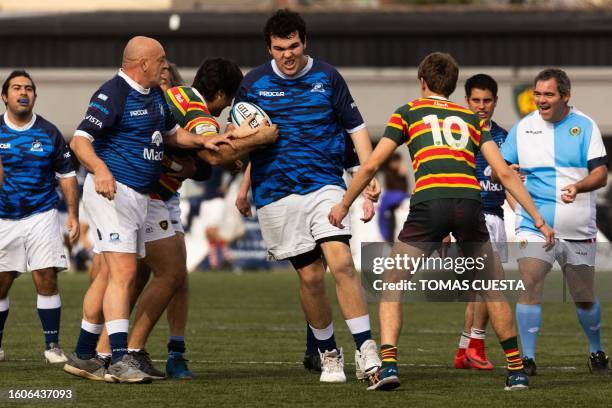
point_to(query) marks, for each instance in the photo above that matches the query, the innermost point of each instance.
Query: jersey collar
(27, 126)
(135, 85)
(303, 72)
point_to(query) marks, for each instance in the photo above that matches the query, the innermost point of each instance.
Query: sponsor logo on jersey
(67, 155)
(317, 87)
(99, 107)
(582, 253)
(163, 224)
(271, 93)
(575, 131)
(5, 146)
(151, 154)
(114, 236)
(534, 132)
(139, 112)
(102, 96)
(36, 146)
(441, 104)
(488, 185)
(94, 120)
(157, 138)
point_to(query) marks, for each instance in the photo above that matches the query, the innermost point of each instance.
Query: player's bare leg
(177, 312)
(165, 257)
(352, 302)
(6, 281)
(391, 320)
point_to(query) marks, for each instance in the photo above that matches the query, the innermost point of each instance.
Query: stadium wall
(63, 94)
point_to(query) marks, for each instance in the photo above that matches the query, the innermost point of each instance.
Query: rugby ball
(242, 110)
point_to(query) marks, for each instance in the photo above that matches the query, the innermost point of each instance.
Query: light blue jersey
(554, 156)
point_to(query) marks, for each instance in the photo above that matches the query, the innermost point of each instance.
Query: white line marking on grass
(299, 363)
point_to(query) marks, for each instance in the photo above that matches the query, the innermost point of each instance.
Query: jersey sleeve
(344, 105)
(397, 127)
(509, 149)
(101, 115)
(62, 158)
(485, 134)
(597, 155)
(190, 111)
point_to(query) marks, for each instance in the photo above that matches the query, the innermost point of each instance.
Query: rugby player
(120, 141)
(296, 179)
(446, 200)
(481, 98)
(36, 159)
(561, 152)
(194, 109)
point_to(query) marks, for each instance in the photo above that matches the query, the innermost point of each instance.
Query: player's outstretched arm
(70, 190)
(515, 186)
(187, 140)
(597, 178)
(244, 140)
(366, 172)
(363, 147)
(84, 151)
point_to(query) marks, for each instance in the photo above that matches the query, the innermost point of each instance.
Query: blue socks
(311, 341)
(176, 345)
(88, 339)
(529, 320)
(118, 336)
(49, 312)
(325, 338)
(590, 320)
(360, 329)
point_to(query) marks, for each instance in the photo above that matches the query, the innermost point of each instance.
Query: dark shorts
(431, 221)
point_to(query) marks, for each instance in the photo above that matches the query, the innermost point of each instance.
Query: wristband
(543, 223)
(175, 166)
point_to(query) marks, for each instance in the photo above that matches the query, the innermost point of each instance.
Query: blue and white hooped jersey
(33, 157)
(126, 124)
(313, 111)
(554, 156)
(493, 194)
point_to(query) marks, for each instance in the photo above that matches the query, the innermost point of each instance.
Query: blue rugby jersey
(33, 156)
(313, 111)
(126, 123)
(493, 194)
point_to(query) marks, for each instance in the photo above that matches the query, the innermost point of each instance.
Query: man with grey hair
(560, 150)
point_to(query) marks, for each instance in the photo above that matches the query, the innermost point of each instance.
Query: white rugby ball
(242, 110)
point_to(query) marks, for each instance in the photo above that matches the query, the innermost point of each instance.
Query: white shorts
(497, 234)
(32, 243)
(118, 223)
(564, 252)
(292, 225)
(174, 209)
(158, 224)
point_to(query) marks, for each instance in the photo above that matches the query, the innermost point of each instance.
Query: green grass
(246, 339)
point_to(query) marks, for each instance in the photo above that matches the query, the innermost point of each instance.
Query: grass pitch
(246, 340)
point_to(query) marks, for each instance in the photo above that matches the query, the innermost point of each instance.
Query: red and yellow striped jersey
(442, 139)
(191, 113)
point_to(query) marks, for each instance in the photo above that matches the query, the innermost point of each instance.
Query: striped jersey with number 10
(442, 138)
